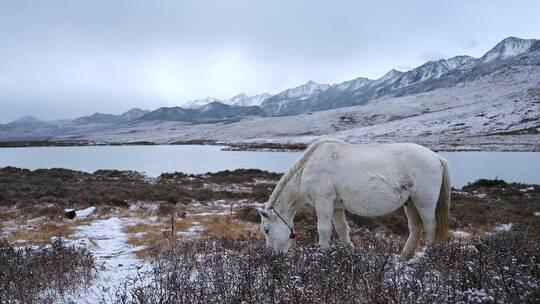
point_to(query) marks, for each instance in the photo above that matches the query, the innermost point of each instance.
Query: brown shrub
(44, 274)
(498, 268)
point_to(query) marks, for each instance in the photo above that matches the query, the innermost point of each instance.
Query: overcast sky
(63, 59)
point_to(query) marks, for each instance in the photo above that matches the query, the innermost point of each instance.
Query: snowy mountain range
(508, 72)
(312, 96)
(429, 76)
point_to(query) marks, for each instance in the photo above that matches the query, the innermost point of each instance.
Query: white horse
(368, 180)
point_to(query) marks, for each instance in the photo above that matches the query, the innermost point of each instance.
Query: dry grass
(157, 231)
(139, 228)
(144, 235)
(146, 240)
(228, 226)
(44, 232)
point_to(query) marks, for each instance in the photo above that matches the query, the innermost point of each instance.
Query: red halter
(293, 234)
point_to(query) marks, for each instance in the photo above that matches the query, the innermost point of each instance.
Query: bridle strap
(290, 228)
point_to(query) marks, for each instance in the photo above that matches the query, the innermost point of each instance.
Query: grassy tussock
(229, 227)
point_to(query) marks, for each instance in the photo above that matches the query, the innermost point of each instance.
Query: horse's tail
(442, 211)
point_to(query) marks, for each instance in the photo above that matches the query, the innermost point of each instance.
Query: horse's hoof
(407, 256)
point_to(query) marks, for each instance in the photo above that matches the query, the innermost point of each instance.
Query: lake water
(154, 160)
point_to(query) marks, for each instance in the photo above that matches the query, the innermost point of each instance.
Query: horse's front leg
(321, 194)
(324, 205)
(341, 225)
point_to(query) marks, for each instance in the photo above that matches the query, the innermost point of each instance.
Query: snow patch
(85, 212)
(527, 189)
(461, 234)
(115, 258)
(503, 227)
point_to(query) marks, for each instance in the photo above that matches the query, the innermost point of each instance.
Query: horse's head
(278, 233)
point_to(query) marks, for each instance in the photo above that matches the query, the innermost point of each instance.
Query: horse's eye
(266, 231)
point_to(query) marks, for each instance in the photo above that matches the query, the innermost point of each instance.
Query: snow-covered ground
(115, 258)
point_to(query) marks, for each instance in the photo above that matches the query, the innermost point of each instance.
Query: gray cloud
(65, 58)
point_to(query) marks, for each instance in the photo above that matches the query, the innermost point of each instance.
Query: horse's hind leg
(324, 208)
(427, 213)
(341, 225)
(415, 230)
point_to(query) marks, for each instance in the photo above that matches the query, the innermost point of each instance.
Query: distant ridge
(100, 118)
(212, 112)
(27, 120)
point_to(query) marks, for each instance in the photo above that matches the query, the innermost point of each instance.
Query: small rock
(70, 214)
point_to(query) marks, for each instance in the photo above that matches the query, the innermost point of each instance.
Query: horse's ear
(264, 213)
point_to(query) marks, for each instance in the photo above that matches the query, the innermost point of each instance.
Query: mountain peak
(133, 114)
(354, 84)
(508, 47)
(27, 119)
(133, 111)
(237, 98)
(459, 62)
(309, 88)
(197, 103)
(243, 100)
(214, 105)
(392, 74)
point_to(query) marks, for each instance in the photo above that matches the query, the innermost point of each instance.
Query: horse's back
(384, 173)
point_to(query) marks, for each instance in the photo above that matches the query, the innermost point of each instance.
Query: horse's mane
(292, 172)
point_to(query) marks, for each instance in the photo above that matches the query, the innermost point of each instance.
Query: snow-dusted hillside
(496, 111)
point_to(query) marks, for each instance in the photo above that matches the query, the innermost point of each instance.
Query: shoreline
(251, 146)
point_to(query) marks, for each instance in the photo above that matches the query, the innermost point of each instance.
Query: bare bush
(497, 268)
(43, 274)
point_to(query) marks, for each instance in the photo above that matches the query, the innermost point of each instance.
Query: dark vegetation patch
(482, 182)
(504, 268)
(532, 130)
(494, 202)
(77, 143)
(43, 274)
(43, 143)
(53, 188)
(194, 142)
(265, 147)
